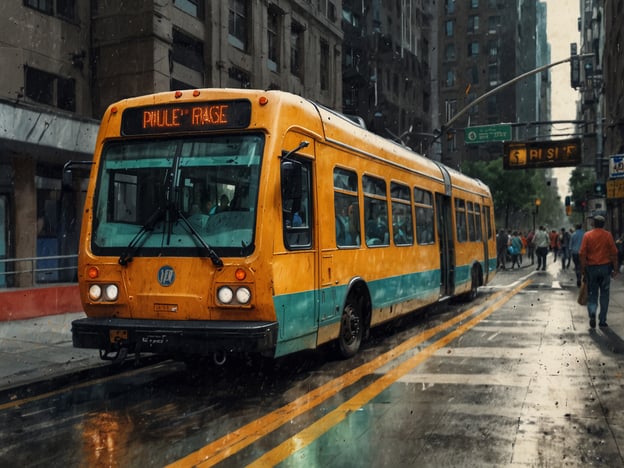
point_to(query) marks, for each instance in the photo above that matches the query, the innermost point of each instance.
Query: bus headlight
(95, 292)
(225, 295)
(243, 295)
(103, 292)
(111, 293)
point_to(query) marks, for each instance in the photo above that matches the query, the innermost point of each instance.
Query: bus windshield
(175, 196)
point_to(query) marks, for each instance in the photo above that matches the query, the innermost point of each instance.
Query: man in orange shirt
(599, 261)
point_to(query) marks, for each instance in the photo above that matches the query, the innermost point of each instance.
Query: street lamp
(538, 202)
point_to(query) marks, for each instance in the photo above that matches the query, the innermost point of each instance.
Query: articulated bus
(225, 221)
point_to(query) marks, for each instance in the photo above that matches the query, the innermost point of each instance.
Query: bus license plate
(117, 335)
(166, 308)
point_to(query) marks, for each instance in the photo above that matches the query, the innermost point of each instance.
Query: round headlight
(243, 295)
(112, 292)
(95, 292)
(225, 295)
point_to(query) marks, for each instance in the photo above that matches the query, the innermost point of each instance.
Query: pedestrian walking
(542, 242)
(575, 246)
(564, 248)
(554, 243)
(599, 261)
(531, 246)
(502, 241)
(515, 247)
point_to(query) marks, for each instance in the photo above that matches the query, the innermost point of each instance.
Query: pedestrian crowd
(595, 254)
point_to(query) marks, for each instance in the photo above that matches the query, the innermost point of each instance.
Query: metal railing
(48, 269)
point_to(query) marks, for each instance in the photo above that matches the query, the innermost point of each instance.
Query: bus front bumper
(174, 337)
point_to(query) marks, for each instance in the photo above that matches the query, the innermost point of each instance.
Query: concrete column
(25, 215)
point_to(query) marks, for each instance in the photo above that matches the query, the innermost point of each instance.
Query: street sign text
(534, 154)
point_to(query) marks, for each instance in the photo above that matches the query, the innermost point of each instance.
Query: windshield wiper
(134, 245)
(211, 253)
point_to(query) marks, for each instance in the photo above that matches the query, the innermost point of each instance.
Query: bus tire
(351, 328)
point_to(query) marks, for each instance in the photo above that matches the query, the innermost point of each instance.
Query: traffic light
(575, 67)
(600, 190)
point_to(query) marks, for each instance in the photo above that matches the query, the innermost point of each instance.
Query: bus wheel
(351, 329)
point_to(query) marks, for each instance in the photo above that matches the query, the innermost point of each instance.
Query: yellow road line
(231, 443)
(321, 426)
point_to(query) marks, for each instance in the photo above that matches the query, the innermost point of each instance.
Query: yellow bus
(225, 221)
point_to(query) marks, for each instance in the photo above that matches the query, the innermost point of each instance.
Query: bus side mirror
(68, 179)
(290, 174)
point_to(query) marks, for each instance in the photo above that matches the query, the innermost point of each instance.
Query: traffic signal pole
(500, 87)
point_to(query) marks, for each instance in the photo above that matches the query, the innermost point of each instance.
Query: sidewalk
(40, 349)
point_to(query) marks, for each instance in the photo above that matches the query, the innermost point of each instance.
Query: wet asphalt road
(516, 378)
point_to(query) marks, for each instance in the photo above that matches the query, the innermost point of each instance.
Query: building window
(324, 66)
(65, 9)
(492, 105)
(473, 49)
(473, 73)
(474, 4)
(493, 74)
(273, 36)
(188, 51)
(238, 78)
(238, 23)
(473, 23)
(450, 28)
(449, 52)
(52, 90)
(192, 7)
(493, 23)
(328, 9)
(296, 49)
(450, 78)
(450, 7)
(493, 48)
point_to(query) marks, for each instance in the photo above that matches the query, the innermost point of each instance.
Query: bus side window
(375, 211)
(402, 224)
(296, 222)
(346, 208)
(460, 220)
(424, 217)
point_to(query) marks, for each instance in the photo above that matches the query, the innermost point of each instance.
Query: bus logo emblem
(166, 276)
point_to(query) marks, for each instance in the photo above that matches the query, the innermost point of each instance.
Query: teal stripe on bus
(295, 313)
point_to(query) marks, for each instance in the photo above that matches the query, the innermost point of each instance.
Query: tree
(514, 193)
(582, 182)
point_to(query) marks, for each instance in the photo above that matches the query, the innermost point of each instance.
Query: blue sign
(166, 276)
(616, 166)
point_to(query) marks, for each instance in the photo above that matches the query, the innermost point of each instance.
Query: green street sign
(487, 133)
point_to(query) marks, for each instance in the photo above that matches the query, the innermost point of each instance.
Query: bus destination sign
(536, 154)
(186, 117)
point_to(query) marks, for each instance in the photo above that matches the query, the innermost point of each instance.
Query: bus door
(299, 316)
(444, 221)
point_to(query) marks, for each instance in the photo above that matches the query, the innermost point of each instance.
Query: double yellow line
(237, 440)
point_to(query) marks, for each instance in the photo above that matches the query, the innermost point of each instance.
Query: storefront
(39, 218)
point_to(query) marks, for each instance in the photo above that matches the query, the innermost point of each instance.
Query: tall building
(387, 72)
(601, 108)
(482, 45)
(65, 61)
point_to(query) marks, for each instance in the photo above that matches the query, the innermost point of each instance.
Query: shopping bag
(582, 293)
